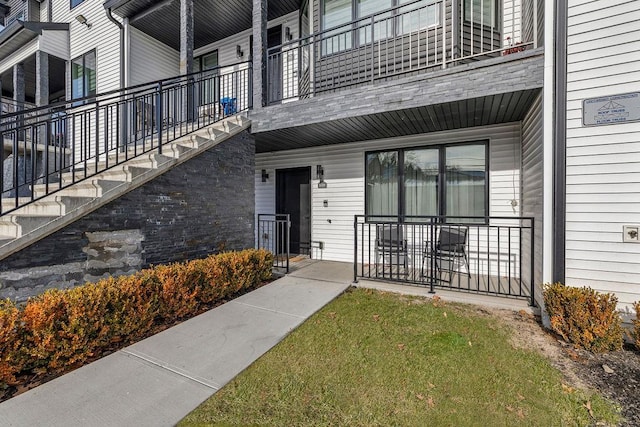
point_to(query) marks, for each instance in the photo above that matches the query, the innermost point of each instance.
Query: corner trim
(560, 142)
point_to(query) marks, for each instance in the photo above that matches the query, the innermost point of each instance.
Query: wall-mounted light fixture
(320, 176)
(287, 34)
(239, 51)
(81, 19)
(265, 175)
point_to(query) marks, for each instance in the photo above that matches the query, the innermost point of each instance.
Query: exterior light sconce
(81, 19)
(320, 176)
(265, 175)
(239, 51)
(287, 34)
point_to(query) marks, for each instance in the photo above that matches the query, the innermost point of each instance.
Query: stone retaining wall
(200, 207)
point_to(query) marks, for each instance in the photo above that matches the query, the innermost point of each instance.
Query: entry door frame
(280, 173)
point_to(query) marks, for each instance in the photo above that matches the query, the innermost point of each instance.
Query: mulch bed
(622, 385)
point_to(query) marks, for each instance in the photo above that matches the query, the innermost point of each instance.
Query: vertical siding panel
(602, 176)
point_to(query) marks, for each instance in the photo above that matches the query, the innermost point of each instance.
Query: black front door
(293, 197)
(274, 72)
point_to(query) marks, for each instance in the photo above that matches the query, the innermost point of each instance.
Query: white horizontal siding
(227, 47)
(512, 21)
(149, 59)
(55, 42)
(344, 173)
(103, 36)
(532, 181)
(603, 162)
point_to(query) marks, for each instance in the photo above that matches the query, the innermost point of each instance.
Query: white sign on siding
(609, 110)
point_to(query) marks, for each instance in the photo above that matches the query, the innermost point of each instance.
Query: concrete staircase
(40, 218)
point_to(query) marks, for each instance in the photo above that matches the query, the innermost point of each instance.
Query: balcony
(424, 56)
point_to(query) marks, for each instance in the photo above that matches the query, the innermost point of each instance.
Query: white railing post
(535, 23)
(444, 34)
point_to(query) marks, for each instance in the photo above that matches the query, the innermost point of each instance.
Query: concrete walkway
(158, 381)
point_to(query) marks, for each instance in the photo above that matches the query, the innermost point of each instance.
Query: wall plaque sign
(609, 110)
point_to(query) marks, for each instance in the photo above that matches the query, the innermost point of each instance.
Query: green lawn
(371, 358)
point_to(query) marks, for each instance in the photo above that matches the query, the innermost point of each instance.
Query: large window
(448, 180)
(74, 3)
(206, 61)
(335, 13)
(83, 75)
(413, 17)
(482, 12)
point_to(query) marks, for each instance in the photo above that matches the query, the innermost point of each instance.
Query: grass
(370, 358)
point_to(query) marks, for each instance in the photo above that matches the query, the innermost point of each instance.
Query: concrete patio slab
(330, 271)
(293, 295)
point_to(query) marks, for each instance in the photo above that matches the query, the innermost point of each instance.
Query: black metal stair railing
(87, 136)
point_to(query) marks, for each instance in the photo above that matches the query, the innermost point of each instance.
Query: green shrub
(636, 324)
(62, 329)
(584, 317)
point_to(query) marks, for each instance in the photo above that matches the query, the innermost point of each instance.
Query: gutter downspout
(123, 111)
(121, 28)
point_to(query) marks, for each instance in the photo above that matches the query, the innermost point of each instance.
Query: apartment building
(482, 145)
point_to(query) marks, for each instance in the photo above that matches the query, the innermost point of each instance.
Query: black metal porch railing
(409, 38)
(493, 255)
(87, 136)
(273, 235)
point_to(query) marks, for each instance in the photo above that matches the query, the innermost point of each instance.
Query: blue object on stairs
(228, 105)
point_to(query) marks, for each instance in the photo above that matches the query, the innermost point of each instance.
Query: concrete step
(123, 173)
(19, 225)
(44, 207)
(91, 187)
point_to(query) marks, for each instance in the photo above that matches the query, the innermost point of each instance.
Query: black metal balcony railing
(273, 234)
(90, 135)
(421, 35)
(493, 255)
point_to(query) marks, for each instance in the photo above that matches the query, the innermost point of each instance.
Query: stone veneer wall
(202, 206)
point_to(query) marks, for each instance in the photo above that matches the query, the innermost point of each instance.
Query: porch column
(186, 36)
(42, 92)
(18, 91)
(18, 85)
(186, 55)
(259, 52)
(42, 78)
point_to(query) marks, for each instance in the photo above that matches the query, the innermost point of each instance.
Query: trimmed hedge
(62, 329)
(584, 317)
(636, 324)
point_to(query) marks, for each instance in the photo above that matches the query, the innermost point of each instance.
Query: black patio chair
(392, 246)
(450, 247)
